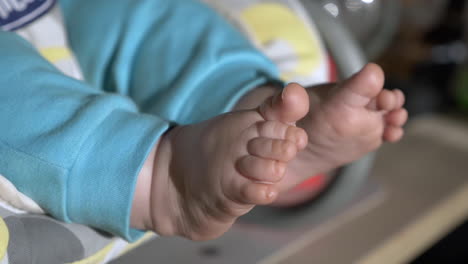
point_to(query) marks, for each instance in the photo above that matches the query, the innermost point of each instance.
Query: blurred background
(421, 44)
(422, 47)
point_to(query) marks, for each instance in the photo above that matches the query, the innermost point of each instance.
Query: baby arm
(72, 148)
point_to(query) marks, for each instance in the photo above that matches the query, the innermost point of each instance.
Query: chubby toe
(397, 117)
(258, 193)
(386, 100)
(260, 169)
(361, 88)
(400, 98)
(278, 130)
(274, 149)
(393, 134)
(287, 106)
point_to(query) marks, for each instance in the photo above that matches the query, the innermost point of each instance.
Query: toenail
(271, 194)
(279, 168)
(300, 138)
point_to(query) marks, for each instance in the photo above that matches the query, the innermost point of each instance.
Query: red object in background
(314, 182)
(332, 71)
(305, 192)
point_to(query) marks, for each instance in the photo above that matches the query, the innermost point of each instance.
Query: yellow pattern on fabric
(270, 21)
(54, 54)
(4, 238)
(131, 246)
(97, 258)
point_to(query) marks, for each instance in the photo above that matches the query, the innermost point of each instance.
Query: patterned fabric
(284, 32)
(279, 28)
(15, 14)
(31, 238)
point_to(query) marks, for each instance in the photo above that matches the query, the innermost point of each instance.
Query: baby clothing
(89, 86)
(284, 32)
(40, 23)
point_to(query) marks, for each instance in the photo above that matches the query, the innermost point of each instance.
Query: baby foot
(218, 170)
(345, 122)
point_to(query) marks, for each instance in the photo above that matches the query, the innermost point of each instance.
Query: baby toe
(278, 130)
(260, 169)
(361, 88)
(274, 149)
(386, 101)
(393, 134)
(258, 193)
(400, 98)
(397, 117)
(287, 106)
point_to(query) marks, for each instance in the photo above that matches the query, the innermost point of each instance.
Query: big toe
(362, 87)
(289, 105)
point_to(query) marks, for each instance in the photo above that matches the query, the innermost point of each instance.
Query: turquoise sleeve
(72, 148)
(175, 58)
